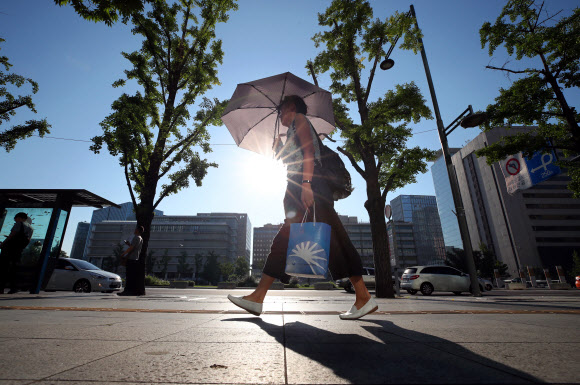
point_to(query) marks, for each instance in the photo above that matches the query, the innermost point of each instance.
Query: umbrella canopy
(251, 116)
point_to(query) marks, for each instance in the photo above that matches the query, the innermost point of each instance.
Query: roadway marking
(400, 312)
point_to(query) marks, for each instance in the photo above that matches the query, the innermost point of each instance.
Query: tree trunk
(375, 206)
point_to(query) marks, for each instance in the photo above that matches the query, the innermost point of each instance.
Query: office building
(263, 237)
(124, 213)
(78, 247)
(421, 211)
(402, 247)
(445, 204)
(244, 232)
(538, 226)
(172, 236)
(361, 237)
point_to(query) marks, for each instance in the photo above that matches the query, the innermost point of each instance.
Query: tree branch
(191, 137)
(129, 183)
(507, 70)
(133, 171)
(372, 75)
(311, 67)
(353, 162)
(400, 165)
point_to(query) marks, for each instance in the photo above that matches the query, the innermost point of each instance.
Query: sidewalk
(198, 337)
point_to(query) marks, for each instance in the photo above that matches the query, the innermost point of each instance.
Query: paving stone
(369, 362)
(188, 363)
(39, 358)
(548, 362)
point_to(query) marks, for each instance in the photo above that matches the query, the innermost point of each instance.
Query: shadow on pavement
(381, 352)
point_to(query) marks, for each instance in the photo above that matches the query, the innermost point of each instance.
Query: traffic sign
(513, 166)
(541, 166)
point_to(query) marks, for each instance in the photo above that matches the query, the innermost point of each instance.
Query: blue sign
(541, 166)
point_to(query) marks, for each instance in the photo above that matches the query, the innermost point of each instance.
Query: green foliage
(150, 262)
(163, 262)
(526, 30)
(575, 264)
(151, 280)
(377, 147)
(293, 283)
(183, 267)
(227, 271)
(211, 268)
(198, 263)
(241, 267)
(9, 103)
(107, 11)
(485, 261)
(149, 131)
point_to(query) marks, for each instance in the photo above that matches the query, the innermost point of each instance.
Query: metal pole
(463, 229)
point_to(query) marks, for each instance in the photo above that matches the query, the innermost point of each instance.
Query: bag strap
(306, 214)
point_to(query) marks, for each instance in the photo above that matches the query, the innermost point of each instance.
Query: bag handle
(306, 214)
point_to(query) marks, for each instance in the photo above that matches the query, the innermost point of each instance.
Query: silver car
(82, 277)
(428, 279)
(368, 278)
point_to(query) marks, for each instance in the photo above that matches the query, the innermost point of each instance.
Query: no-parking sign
(522, 173)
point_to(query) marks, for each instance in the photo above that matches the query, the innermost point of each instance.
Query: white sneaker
(354, 313)
(251, 307)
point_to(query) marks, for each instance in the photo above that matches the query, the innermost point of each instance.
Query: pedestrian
(307, 191)
(131, 257)
(12, 247)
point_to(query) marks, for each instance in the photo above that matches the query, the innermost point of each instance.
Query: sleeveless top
(291, 152)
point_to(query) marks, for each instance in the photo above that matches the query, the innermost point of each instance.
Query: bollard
(548, 280)
(532, 276)
(498, 281)
(561, 275)
(397, 282)
(523, 277)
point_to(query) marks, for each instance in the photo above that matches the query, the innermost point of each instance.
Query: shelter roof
(77, 198)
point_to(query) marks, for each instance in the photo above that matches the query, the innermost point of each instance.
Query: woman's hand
(307, 195)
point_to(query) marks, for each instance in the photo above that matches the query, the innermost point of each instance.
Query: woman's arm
(305, 137)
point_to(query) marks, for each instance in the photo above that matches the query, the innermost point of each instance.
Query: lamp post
(466, 119)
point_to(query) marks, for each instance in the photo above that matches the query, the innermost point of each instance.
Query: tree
(165, 258)
(10, 103)
(575, 271)
(241, 267)
(150, 262)
(148, 131)
(107, 11)
(63, 254)
(527, 30)
(227, 270)
(379, 141)
(182, 265)
(198, 263)
(211, 268)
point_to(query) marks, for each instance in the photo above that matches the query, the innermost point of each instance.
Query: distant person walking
(12, 248)
(131, 258)
(301, 154)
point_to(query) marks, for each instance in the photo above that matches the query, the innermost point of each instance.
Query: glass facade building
(80, 240)
(421, 211)
(445, 205)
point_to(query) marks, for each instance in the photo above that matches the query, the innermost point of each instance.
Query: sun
(265, 176)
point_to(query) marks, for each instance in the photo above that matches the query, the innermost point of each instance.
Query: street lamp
(466, 119)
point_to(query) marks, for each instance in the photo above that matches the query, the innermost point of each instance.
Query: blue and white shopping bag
(308, 249)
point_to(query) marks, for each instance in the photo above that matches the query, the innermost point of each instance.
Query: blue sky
(75, 62)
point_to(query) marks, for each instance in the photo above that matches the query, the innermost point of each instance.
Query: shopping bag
(308, 249)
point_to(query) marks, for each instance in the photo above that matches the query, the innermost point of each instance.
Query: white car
(82, 277)
(428, 279)
(485, 284)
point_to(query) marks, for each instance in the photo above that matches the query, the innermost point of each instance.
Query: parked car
(485, 284)
(428, 279)
(82, 277)
(368, 278)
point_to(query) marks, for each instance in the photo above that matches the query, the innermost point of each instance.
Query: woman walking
(309, 194)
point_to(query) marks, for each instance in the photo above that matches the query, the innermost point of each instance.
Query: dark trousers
(344, 259)
(131, 270)
(9, 271)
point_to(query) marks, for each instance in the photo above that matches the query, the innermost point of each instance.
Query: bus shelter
(48, 211)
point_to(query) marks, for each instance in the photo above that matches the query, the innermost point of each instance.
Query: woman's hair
(298, 103)
(141, 229)
(21, 215)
